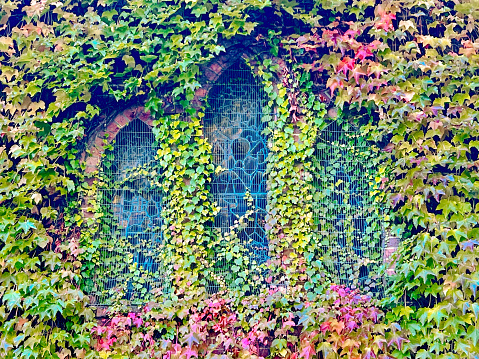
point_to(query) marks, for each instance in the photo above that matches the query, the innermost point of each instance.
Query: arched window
(234, 129)
(130, 203)
(347, 216)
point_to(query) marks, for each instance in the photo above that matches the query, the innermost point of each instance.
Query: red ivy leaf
(363, 52)
(345, 64)
(386, 22)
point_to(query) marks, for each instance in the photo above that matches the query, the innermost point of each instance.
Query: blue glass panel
(129, 265)
(234, 129)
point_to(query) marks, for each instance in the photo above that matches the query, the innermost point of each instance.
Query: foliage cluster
(413, 63)
(339, 322)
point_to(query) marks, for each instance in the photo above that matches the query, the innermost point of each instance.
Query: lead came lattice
(234, 129)
(131, 203)
(347, 217)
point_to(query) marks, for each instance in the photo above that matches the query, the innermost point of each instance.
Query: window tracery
(234, 129)
(131, 203)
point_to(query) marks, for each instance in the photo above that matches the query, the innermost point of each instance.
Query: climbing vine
(66, 67)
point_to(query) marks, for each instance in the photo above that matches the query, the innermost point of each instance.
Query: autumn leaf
(307, 352)
(188, 352)
(191, 339)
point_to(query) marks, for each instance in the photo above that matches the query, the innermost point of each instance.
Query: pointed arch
(234, 128)
(130, 234)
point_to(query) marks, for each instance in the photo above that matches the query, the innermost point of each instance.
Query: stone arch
(106, 132)
(102, 135)
(213, 70)
(131, 207)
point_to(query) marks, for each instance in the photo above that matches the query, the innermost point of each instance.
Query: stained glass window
(128, 265)
(234, 129)
(347, 215)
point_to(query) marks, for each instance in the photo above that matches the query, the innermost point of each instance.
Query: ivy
(410, 65)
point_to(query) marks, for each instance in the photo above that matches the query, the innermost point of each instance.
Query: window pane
(346, 214)
(234, 129)
(128, 265)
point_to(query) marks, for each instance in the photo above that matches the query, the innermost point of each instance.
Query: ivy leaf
(109, 14)
(475, 309)
(52, 259)
(37, 197)
(189, 352)
(70, 185)
(406, 311)
(307, 352)
(397, 339)
(369, 354)
(129, 60)
(4, 344)
(423, 354)
(199, 10)
(191, 338)
(26, 225)
(460, 98)
(473, 334)
(13, 299)
(249, 27)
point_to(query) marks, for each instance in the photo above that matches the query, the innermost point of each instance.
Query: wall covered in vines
(399, 77)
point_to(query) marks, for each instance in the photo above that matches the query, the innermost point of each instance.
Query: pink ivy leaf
(307, 352)
(177, 348)
(350, 33)
(469, 245)
(351, 325)
(369, 354)
(398, 340)
(190, 352)
(438, 194)
(389, 147)
(191, 339)
(115, 321)
(380, 342)
(245, 343)
(397, 198)
(373, 314)
(435, 124)
(105, 344)
(289, 323)
(138, 322)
